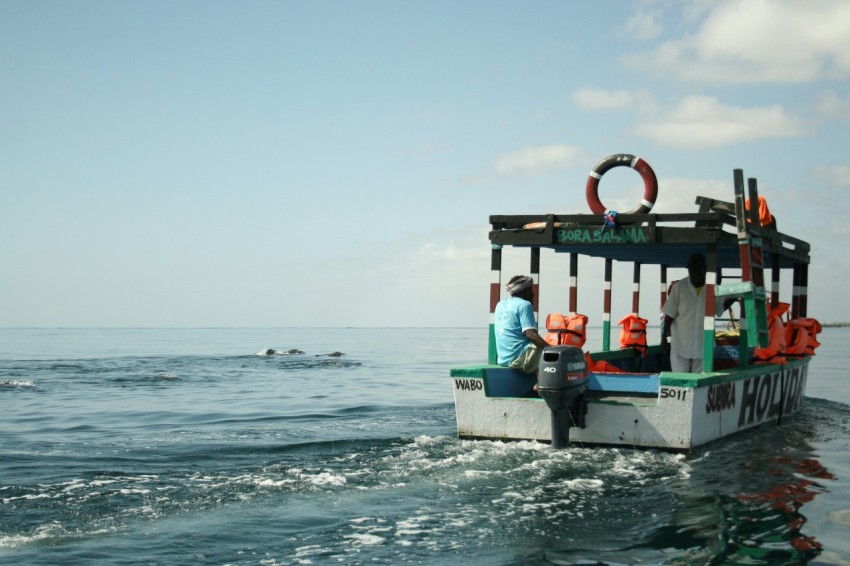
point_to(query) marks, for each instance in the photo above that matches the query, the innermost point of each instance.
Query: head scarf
(517, 284)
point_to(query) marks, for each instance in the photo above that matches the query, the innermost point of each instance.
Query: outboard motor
(561, 381)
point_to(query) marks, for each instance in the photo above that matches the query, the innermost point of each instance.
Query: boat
(628, 396)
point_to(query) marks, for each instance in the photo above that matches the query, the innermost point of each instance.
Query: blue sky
(335, 163)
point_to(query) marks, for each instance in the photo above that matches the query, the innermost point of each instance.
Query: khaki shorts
(528, 361)
(678, 364)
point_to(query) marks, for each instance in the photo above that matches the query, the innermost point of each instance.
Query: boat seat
(499, 381)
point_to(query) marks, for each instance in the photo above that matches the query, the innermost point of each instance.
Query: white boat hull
(687, 410)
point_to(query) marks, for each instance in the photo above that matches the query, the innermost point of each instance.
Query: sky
(335, 163)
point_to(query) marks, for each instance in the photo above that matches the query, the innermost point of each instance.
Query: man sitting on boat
(518, 345)
(683, 316)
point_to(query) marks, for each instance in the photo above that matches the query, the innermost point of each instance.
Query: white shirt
(687, 310)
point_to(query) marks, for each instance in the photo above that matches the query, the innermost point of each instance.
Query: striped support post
(746, 264)
(606, 306)
(799, 294)
(535, 285)
(663, 291)
(495, 288)
(774, 280)
(636, 289)
(708, 320)
(573, 283)
(795, 292)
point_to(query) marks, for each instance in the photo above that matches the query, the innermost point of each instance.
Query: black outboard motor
(561, 381)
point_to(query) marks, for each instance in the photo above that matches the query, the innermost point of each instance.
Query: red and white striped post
(495, 293)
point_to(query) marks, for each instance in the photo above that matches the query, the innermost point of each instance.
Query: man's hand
(665, 334)
(532, 335)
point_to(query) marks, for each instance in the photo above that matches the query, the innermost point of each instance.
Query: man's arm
(533, 335)
(665, 333)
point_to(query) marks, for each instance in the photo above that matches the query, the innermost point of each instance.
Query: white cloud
(679, 194)
(702, 122)
(834, 106)
(599, 99)
(743, 41)
(837, 175)
(645, 24)
(449, 273)
(531, 160)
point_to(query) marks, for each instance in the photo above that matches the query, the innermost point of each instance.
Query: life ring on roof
(650, 183)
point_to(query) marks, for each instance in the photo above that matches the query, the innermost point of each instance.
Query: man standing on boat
(683, 316)
(518, 345)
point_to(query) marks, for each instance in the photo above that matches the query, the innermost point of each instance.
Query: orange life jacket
(566, 330)
(633, 334)
(814, 329)
(600, 366)
(796, 338)
(803, 334)
(765, 217)
(774, 352)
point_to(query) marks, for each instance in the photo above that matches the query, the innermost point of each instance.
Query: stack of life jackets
(566, 330)
(794, 338)
(774, 353)
(801, 337)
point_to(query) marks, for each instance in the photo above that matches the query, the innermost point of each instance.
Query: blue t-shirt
(513, 316)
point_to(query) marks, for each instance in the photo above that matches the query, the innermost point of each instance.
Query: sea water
(183, 446)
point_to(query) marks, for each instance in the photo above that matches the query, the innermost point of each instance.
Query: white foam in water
(135, 491)
(52, 530)
(15, 383)
(29, 496)
(268, 482)
(43, 532)
(326, 478)
(411, 526)
(309, 550)
(365, 539)
(584, 484)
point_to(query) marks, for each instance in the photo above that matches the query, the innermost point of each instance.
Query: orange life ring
(650, 182)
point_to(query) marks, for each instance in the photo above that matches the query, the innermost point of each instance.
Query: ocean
(183, 446)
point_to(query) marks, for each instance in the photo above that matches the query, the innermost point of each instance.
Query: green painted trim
(696, 380)
(472, 371)
(708, 350)
(622, 353)
(733, 289)
(491, 345)
(606, 335)
(614, 354)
